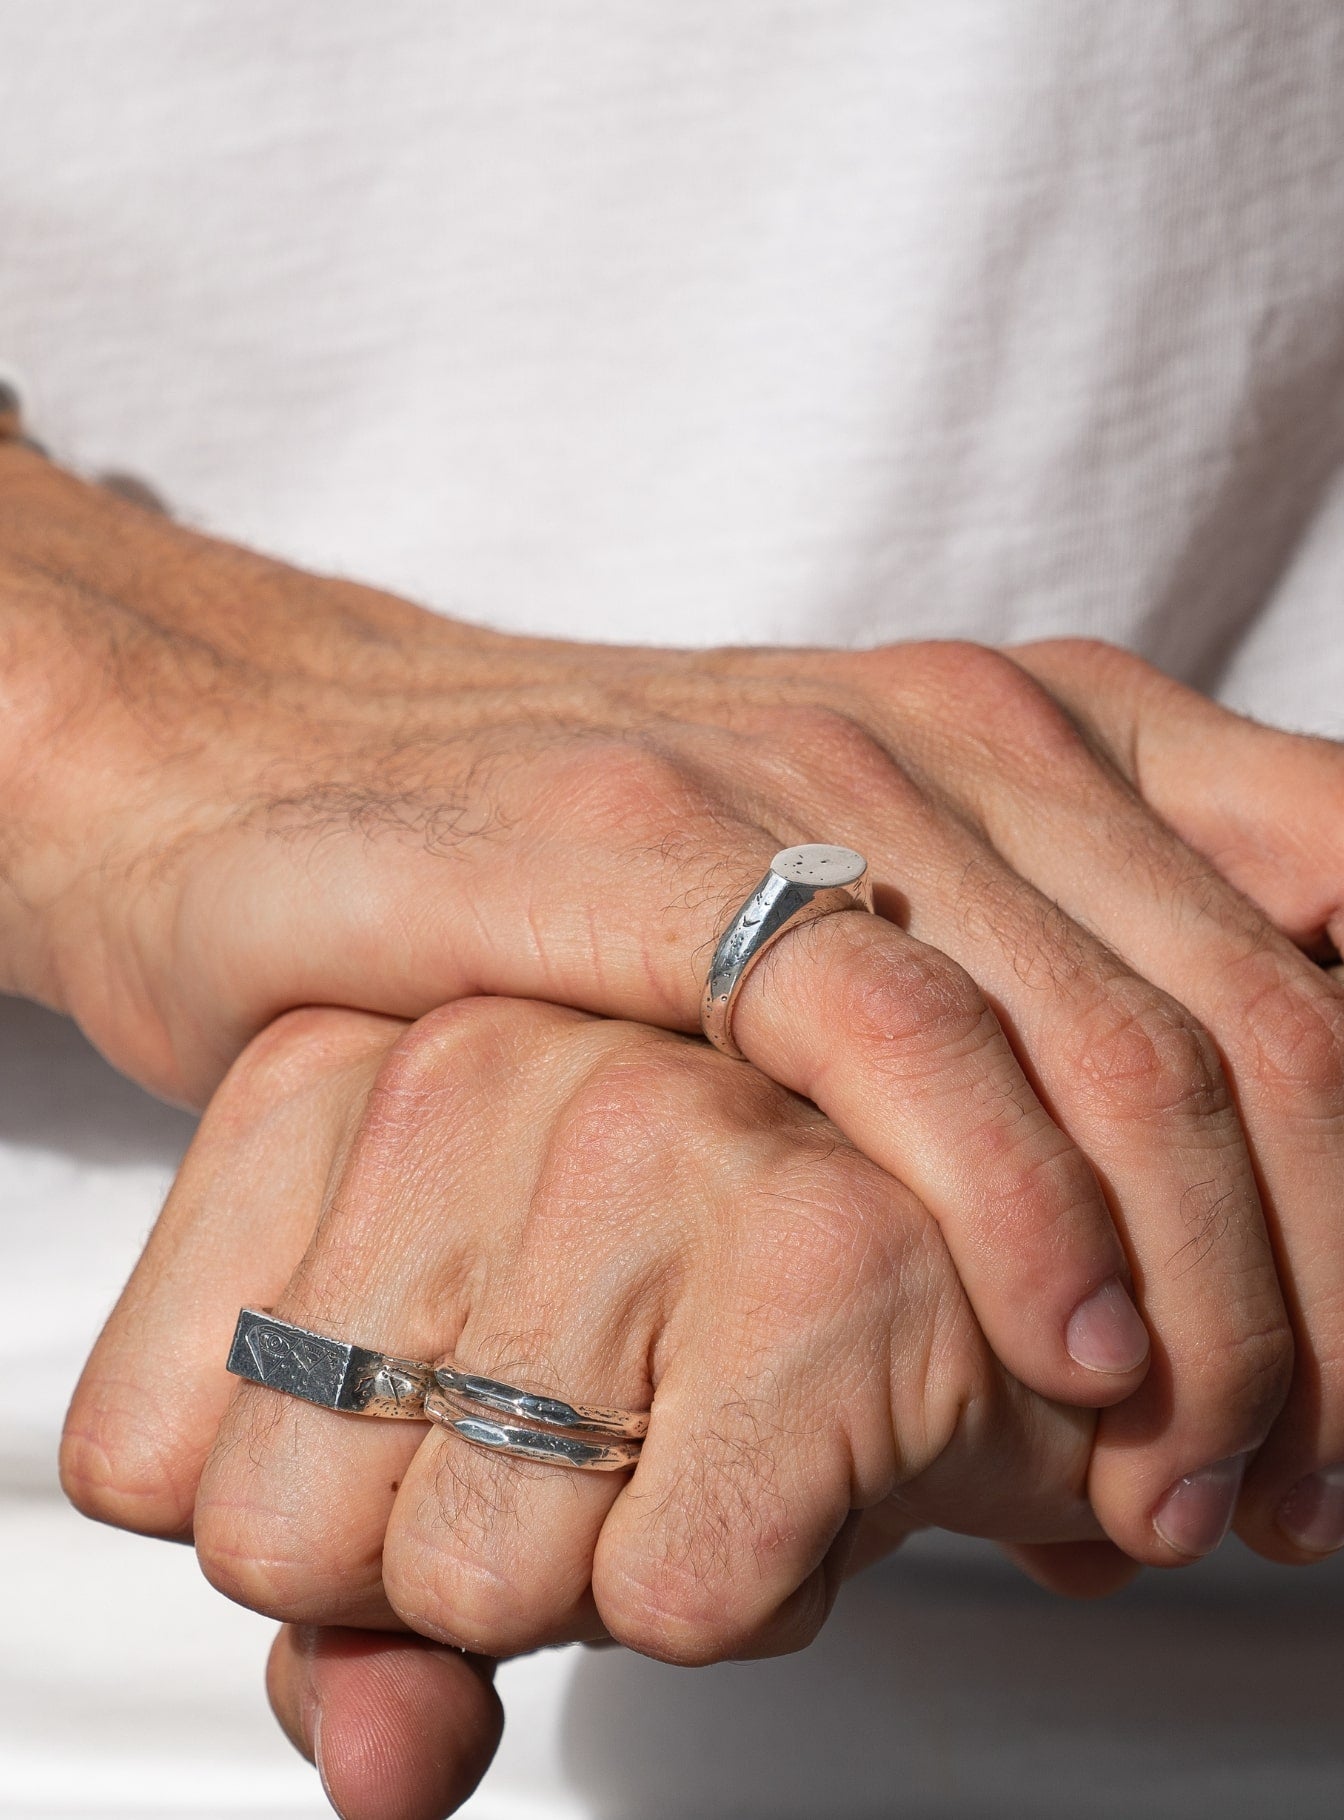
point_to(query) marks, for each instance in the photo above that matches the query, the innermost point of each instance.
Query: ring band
(334, 1374)
(539, 1444)
(803, 883)
(545, 1412)
(582, 1435)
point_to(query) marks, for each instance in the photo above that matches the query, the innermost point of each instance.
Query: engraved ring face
(334, 1374)
(803, 883)
(820, 868)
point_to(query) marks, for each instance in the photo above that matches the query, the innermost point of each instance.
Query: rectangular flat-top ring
(335, 1374)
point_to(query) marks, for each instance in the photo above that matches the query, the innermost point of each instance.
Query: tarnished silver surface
(803, 883)
(548, 1412)
(535, 1443)
(334, 1373)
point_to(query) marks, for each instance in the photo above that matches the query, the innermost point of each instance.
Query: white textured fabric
(683, 323)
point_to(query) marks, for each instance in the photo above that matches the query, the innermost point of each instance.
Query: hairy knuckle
(1142, 1054)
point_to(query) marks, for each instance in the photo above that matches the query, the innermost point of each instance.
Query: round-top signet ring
(803, 883)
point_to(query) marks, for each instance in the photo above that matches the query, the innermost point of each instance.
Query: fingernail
(1196, 1513)
(1312, 1515)
(1106, 1332)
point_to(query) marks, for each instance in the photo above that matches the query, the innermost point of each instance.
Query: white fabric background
(834, 322)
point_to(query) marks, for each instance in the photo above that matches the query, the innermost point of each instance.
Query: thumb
(400, 1729)
(1264, 806)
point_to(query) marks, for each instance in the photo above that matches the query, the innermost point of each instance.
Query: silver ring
(582, 1435)
(539, 1444)
(546, 1412)
(335, 1374)
(803, 883)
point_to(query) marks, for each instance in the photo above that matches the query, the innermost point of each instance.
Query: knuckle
(624, 1124)
(285, 1569)
(118, 1466)
(1050, 1193)
(624, 789)
(1009, 710)
(903, 1004)
(619, 1122)
(675, 1614)
(1247, 1376)
(294, 1052)
(461, 1566)
(1141, 1053)
(461, 1600)
(431, 1077)
(809, 734)
(1289, 1034)
(815, 1234)
(237, 1551)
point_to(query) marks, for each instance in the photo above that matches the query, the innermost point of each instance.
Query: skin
(1087, 1035)
(1085, 1032)
(511, 1184)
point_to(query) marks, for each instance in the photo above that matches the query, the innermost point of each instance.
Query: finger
(399, 1729)
(1126, 1070)
(778, 1424)
(895, 1042)
(496, 1553)
(1268, 1049)
(296, 1502)
(150, 1398)
(1265, 807)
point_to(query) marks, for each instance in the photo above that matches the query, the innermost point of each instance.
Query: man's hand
(599, 1211)
(234, 788)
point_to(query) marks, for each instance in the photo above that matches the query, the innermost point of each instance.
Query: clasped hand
(1060, 1132)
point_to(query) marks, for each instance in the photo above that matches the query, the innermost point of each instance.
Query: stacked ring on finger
(580, 1435)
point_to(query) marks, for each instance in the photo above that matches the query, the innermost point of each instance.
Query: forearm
(156, 684)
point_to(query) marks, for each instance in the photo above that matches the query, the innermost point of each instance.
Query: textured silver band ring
(580, 1435)
(803, 883)
(545, 1412)
(539, 1443)
(335, 1374)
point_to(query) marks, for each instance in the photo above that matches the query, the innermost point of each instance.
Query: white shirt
(828, 322)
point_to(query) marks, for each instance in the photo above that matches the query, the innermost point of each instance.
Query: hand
(601, 1211)
(329, 796)
(608, 1212)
